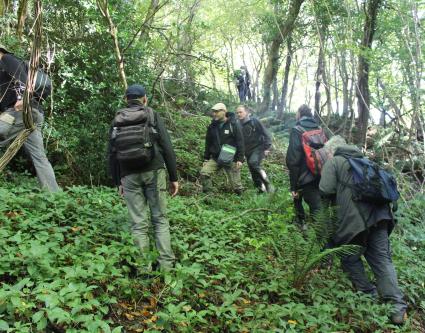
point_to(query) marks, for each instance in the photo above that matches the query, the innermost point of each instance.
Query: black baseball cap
(135, 91)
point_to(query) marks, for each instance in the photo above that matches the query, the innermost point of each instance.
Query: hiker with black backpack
(139, 147)
(363, 192)
(306, 138)
(224, 149)
(13, 78)
(243, 82)
(257, 143)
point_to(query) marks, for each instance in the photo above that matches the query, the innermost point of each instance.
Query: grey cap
(135, 90)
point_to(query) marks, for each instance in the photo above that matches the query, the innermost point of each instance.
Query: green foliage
(68, 262)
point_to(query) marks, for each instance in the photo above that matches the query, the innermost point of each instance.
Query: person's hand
(266, 153)
(121, 190)
(174, 188)
(295, 194)
(19, 105)
(238, 164)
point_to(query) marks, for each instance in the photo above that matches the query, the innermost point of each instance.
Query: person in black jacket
(223, 130)
(13, 78)
(258, 141)
(144, 185)
(303, 184)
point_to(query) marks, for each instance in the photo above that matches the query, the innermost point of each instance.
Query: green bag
(227, 154)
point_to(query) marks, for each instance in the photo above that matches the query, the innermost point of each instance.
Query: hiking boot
(238, 191)
(261, 189)
(398, 318)
(206, 184)
(269, 187)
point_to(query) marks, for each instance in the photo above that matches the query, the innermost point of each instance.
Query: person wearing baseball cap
(141, 180)
(224, 137)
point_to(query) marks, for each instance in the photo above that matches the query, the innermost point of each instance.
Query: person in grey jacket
(257, 142)
(13, 77)
(365, 224)
(303, 184)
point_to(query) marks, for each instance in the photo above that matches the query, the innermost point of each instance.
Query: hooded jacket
(219, 133)
(255, 136)
(164, 153)
(299, 174)
(353, 217)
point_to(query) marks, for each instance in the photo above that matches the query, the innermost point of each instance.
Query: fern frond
(316, 260)
(324, 225)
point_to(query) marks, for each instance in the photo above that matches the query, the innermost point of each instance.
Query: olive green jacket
(352, 217)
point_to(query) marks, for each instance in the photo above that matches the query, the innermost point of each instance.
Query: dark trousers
(311, 195)
(378, 255)
(242, 93)
(259, 176)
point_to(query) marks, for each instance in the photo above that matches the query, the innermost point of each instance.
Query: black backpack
(42, 82)
(132, 135)
(371, 183)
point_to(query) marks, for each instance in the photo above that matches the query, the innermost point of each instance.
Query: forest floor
(68, 264)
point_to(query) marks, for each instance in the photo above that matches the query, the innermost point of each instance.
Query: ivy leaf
(4, 326)
(37, 316)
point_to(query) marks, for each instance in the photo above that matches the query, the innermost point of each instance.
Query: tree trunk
(319, 76)
(326, 80)
(275, 94)
(397, 112)
(284, 29)
(294, 79)
(282, 103)
(214, 80)
(103, 7)
(344, 81)
(5, 6)
(336, 84)
(256, 97)
(184, 68)
(362, 92)
(22, 15)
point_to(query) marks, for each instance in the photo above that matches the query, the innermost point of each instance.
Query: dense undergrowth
(68, 264)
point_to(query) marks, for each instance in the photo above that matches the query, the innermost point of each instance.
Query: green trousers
(211, 167)
(145, 196)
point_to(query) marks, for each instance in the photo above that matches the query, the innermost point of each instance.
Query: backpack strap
(256, 124)
(300, 129)
(353, 188)
(151, 116)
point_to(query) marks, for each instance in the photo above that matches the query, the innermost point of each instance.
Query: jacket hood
(348, 151)
(307, 122)
(231, 116)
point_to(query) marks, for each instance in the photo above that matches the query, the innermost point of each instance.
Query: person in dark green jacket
(144, 186)
(257, 141)
(364, 224)
(303, 184)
